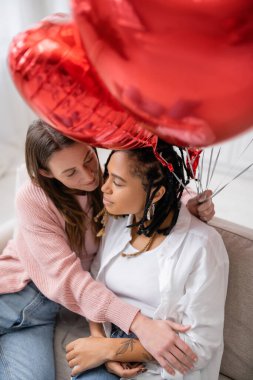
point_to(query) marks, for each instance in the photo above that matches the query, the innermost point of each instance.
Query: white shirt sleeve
(203, 302)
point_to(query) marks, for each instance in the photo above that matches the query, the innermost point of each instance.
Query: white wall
(16, 16)
(235, 202)
(15, 116)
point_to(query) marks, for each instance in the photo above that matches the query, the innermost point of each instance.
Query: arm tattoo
(125, 346)
(128, 345)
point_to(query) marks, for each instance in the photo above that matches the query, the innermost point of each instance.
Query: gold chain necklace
(145, 249)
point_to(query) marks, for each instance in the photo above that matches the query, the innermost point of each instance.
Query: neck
(138, 217)
(166, 223)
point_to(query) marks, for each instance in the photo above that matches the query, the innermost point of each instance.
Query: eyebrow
(85, 158)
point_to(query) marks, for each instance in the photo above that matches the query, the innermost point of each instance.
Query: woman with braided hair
(156, 256)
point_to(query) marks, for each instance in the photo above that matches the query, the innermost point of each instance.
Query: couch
(237, 361)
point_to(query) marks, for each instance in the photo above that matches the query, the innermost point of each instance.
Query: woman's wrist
(137, 324)
(108, 347)
(97, 334)
(97, 330)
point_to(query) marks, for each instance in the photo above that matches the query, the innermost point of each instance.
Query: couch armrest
(6, 232)
(234, 228)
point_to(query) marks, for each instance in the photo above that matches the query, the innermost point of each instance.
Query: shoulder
(30, 194)
(202, 238)
(33, 207)
(202, 231)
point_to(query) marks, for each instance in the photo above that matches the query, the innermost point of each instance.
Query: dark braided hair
(154, 175)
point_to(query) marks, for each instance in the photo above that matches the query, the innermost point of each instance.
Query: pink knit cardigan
(40, 252)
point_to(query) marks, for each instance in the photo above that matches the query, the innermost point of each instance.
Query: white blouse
(192, 276)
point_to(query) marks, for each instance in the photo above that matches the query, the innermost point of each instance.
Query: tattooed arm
(123, 348)
(87, 353)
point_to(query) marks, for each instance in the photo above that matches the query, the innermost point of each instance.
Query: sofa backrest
(237, 361)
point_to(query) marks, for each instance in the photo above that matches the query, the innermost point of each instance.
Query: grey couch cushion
(221, 377)
(69, 327)
(237, 361)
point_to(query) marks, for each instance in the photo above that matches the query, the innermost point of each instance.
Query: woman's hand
(86, 353)
(161, 340)
(125, 370)
(202, 206)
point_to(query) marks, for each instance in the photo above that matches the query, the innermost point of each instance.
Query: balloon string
(238, 175)
(200, 172)
(209, 169)
(214, 166)
(226, 177)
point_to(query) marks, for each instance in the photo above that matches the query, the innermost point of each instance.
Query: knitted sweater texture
(40, 252)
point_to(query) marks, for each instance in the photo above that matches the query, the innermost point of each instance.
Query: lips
(91, 183)
(106, 202)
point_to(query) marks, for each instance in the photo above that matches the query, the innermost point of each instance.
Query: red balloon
(185, 66)
(51, 71)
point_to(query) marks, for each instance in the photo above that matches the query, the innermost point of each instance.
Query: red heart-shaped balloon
(185, 66)
(51, 71)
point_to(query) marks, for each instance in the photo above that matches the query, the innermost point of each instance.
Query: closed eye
(117, 184)
(71, 173)
(89, 159)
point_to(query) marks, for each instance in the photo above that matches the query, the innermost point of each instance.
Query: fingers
(72, 360)
(183, 347)
(177, 360)
(166, 365)
(125, 370)
(183, 362)
(131, 372)
(70, 346)
(203, 197)
(70, 355)
(72, 363)
(76, 370)
(180, 356)
(205, 206)
(208, 193)
(206, 211)
(178, 327)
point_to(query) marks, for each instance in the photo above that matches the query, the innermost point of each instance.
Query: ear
(159, 194)
(45, 173)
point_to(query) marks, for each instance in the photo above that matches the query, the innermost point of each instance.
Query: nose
(88, 173)
(106, 188)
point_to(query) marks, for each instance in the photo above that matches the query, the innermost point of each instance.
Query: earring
(151, 211)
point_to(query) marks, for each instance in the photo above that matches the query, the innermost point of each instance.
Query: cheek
(69, 182)
(132, 203)
(66, 181)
